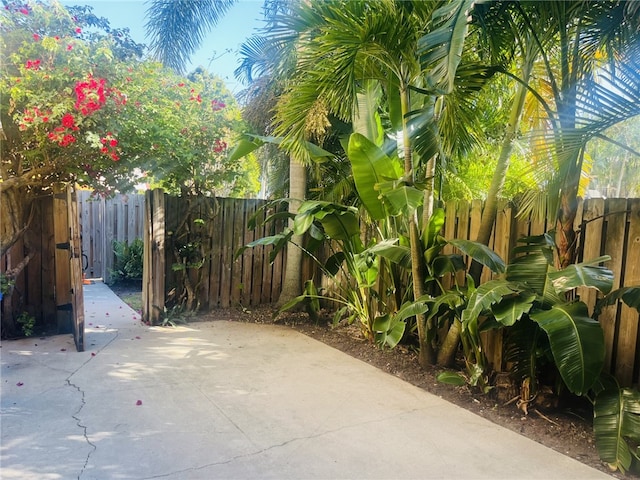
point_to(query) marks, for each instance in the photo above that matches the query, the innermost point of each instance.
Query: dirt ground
(566, 429)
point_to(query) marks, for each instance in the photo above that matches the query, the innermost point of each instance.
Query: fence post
(153, 272)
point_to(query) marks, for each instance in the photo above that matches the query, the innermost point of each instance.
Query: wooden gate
(68, 265)
(103, 221)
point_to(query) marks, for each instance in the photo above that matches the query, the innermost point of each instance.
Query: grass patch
(134, 300)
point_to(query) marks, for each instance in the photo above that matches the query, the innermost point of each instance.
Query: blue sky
(238, 24)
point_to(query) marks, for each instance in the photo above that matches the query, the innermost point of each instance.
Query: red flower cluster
(219, 146)
(90, 95)
(217, 105)
(61, 135)
(109, 146)
(33, 116)
(32, 65)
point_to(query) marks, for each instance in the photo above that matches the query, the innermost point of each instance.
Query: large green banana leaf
(480, 253)
(629, 295)
(370, 167)
(486, 295)
(339, 221)
(585, 274)
(398, 254)
(616, 419)
(248, 143)
(367, 120)
(577, 344)
(510, 310)
(531, 270)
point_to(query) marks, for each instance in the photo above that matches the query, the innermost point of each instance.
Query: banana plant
(616, 424)
(443, 307)
(534, 290)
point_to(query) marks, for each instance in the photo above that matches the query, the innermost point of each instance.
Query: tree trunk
(292, 284)
(497, 182)
(427, 353)
(449, 347)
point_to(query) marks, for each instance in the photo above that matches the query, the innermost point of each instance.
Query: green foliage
(6, 284)
(616, 425)
(534, 289)
(72, 87)
(128, 262)
(175, 316)
(27, 323)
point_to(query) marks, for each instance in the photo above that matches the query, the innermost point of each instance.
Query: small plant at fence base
(27, 323)
(128, 264)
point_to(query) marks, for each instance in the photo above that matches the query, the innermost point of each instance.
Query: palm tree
(571, 42)
(177, 27)
(410, 48)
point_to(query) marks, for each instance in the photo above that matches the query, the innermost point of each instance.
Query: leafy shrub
(28, 323)
(128, 264)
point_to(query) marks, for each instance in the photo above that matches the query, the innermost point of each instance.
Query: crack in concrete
(83, 402)
(83, 427)
(279, 445)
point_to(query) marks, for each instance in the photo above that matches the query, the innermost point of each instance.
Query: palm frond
(177, 27)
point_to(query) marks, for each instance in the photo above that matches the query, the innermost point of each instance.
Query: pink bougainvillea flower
(32, 65)
(68, 120)
(19, 384)
(93, 354)
(137, 338)
(24, 10)
(69, 47)
(113, 142)
(139, 402)
(90, 95)
(78, 30)
(217, 105)
(36, 37)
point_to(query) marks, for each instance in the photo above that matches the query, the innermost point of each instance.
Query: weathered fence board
(103, 221)
(223, 280)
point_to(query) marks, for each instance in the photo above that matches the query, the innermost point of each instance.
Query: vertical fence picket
(627, 339)
(615, 223)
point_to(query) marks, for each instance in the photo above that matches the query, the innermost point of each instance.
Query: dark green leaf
(510, 310)
(586, 274)
(452, 378)
(481, 253)
(616, 416)
(486, 295)
(577, 344)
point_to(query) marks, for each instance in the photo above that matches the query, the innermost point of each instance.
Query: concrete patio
(222, 400)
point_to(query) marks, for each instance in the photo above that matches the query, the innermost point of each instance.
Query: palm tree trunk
(497, 182)
(426, 353)
(292, 284)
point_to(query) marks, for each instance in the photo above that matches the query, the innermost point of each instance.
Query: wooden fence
(103, 221)
(49, 288)
(222, 280)
(610, 227)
